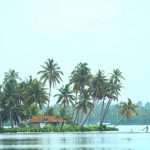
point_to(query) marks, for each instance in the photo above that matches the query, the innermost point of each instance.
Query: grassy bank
(57, 129)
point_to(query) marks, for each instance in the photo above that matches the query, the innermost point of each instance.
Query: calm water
(79, 141)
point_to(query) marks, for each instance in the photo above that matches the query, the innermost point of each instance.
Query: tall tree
(51, 73)
(11, 75)
(98, 89)
(127, 109)
(84, 106)
(65, 98)
(11, 101)
(11, 104)
(80, 77)
(34, 93)
(113, 90)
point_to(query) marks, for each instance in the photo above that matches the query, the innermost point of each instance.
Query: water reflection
(19, 141)
(78, 141)
(83, 140)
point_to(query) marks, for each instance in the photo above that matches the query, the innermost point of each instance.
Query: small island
(26, 106)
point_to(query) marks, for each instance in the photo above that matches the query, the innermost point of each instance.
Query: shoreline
(89, 132)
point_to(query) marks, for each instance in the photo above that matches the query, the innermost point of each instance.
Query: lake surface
(136, 140)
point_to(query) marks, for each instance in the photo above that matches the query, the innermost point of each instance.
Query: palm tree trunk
(30, 112)
(74, 107)
(50, 86)
(106, 110)
(81, 117)
(86, 118)
(119, 121)
(1, 122)
(63, 117)
(76, 117)
(62, 125)
(81, 90)
(101, 113)
(11, 120)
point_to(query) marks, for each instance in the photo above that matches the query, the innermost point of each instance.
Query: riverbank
(58, 129)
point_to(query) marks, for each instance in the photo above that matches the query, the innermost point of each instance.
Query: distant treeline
(114, 115)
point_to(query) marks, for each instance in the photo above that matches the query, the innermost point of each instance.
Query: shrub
(58, 129)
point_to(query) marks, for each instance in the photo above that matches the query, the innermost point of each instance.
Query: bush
(59, 129)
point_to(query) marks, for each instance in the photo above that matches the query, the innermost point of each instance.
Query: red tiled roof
(52, 119)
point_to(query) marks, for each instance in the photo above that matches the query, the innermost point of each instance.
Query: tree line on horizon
(20, 99)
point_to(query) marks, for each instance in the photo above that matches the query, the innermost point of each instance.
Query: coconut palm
(116, 76)
(98, 89)
(65, 98)
(11, 75)
(127, 109)
(51, 73)
(80, 77)
(85, 106)
(113, 90)
(35, 93)
(11, 100)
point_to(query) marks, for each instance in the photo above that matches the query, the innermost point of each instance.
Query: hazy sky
(107, 34)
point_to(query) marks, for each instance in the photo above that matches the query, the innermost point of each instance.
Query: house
(40, 121)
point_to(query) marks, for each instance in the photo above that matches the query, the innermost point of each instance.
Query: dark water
(76, 141)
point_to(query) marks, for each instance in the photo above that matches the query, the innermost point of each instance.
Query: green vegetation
(51, 73)
(77, 101)
(126, 110)
(58, 129)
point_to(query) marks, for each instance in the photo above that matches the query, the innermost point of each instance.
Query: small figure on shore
(146, 129)
(131, 130)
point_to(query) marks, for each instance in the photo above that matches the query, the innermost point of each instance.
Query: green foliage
(86, 99)
(57, 129)
(9, 130)
(51, 73)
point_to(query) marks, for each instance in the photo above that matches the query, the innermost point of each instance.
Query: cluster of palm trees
(83, 91)
(17, 98)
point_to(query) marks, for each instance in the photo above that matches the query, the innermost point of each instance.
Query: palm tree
(117, 76)
(34, 93)
(65, 98)
(11, 75)
(80, 77)
(113, 90)
(98, 89)
(126, 110)
(85, 106)
(11, 100)
(51, 73)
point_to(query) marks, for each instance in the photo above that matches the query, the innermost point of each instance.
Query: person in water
(146, 129)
